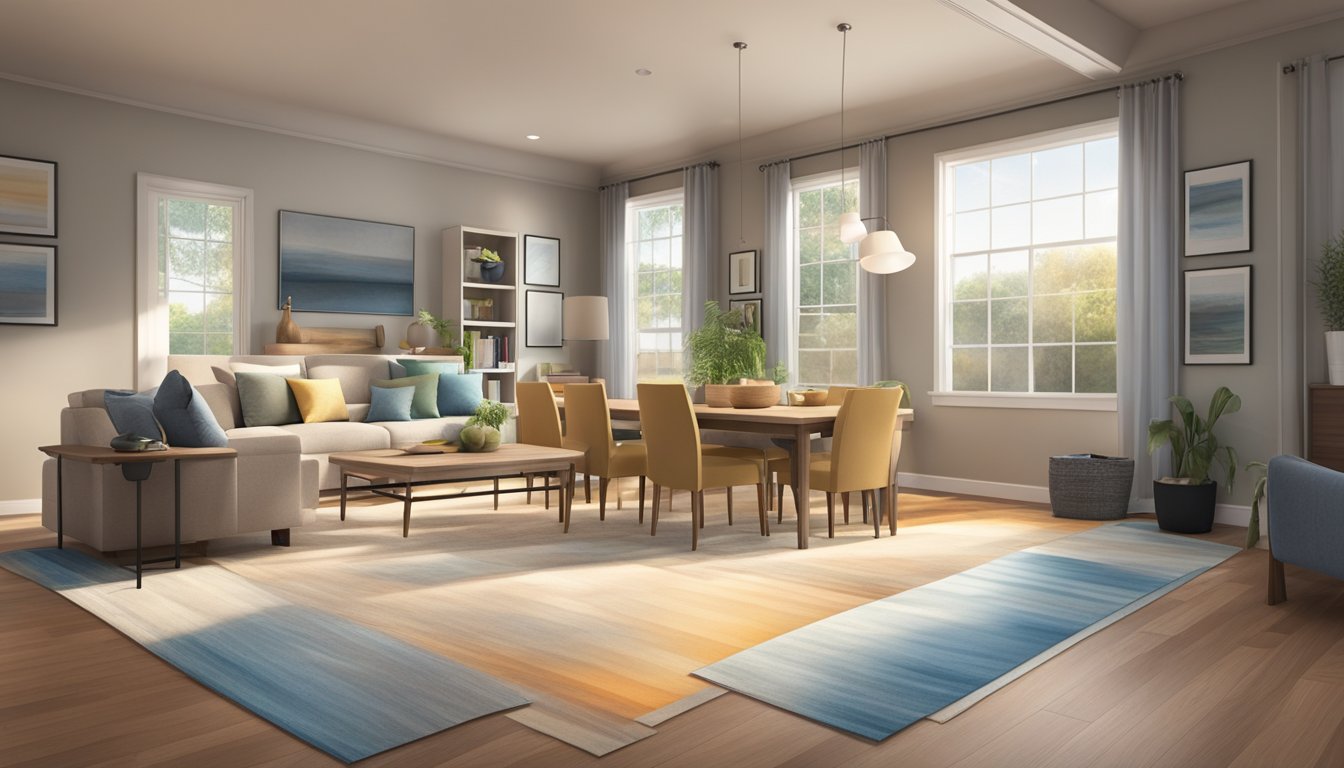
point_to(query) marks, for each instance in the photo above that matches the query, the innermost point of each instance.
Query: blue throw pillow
(460, 393)
(132, 413)
(186, 419)
(390, 403)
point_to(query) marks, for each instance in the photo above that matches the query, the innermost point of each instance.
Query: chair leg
(1278, 589)
(877, 512)
(761, 502)
(769, 494)
(696, 520)
(865, 509)
(830, 514)
(496, 494)
(893, 495)
(560, 498)
(844, 499)
(779, 496)
(602, 483)
(617, 480)
(653, 516)
(728, 494)
(587, 489)
(699, 497)
(529, 488)
(547, 494)
(641, 499)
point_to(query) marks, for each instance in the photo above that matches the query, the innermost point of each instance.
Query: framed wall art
(541, 260)
(27, 197)
(545, 319)
(27, 284)
(334, 264)
(1218, 316)
(1218, 209)
(751, 313)
(744, 273)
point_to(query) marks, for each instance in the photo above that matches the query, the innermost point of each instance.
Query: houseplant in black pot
(1185, 502)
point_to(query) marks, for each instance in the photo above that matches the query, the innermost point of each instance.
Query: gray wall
(1237, 105)
(101, 146)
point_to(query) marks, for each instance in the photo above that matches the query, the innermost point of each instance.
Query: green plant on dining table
(723, 350)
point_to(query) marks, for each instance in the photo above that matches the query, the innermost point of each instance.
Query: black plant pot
(1185, 508)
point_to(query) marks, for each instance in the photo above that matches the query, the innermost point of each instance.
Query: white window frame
(944, 395)
(632, 207)
(151, 330)
(807, 184)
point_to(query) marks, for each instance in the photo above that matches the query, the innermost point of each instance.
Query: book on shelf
(492, 389)
(486, 354)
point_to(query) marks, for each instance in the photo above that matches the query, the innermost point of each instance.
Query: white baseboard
(21, 507)
(1227, 514)
(1035, 494)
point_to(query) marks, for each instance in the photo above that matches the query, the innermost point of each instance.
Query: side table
(135, 467)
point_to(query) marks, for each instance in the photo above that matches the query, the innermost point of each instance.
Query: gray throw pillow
(185, 416)
(132, 413)
(266, 400)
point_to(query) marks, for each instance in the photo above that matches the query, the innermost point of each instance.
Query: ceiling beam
(1079, 34)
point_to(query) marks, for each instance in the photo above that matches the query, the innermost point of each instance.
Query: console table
(135, 467)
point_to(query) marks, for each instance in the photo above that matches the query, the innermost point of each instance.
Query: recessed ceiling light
(532, 137)
(643, 72)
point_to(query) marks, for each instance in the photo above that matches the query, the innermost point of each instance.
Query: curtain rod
(710, 163)
(963, 121)
(1291, 68)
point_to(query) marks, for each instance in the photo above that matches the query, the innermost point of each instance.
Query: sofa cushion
(319, 399)
(185, 416)
(460, 393)
(266, 400)
(358, 411)
(292, 369)
(226, 378)
(133, 413)
(390, 404)
(355, 372)
(222, 401)
(403, 433)
(425, 404)
(338, 436)
(414, 367)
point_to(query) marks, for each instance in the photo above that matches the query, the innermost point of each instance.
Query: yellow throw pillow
(319, 399)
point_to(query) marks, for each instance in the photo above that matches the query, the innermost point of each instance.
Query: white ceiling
(464, 81)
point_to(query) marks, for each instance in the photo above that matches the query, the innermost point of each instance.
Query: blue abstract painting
(1218, 209)
(27, 284)
(332, 264)
(1217, 316)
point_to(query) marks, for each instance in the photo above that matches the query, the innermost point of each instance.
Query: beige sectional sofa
(273, 484)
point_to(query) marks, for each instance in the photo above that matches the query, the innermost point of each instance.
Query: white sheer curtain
(1149, 250)
(616, 358)
(779, 310)
(872, 288)
(700, 185)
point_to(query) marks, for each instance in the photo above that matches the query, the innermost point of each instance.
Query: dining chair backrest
(862, 446)
(588, 422)
(835, 395)
(538, 415)
(671, 436)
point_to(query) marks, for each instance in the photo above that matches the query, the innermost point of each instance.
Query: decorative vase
(1334, 356)
(1185, 508)
(288, 331)
(492, 271)
(419, 335)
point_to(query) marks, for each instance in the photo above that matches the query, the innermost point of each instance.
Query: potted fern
(1185, 502)
(722, 353)
(1330, 290)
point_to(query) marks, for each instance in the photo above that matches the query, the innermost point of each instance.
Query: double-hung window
(827, 280)
(1027, 271)
(653, 252)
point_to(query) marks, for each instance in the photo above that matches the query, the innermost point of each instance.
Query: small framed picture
(1218, 316)
(27, 284)
(1218, 209)
(545, 319)
(743, 272)
(27, 197)
(751, 313)
(541, 260)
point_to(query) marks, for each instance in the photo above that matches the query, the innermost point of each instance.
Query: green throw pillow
(421, 367)
(267, 400)
(425, 404)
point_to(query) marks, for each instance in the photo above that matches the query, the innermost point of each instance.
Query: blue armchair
(1306, 520)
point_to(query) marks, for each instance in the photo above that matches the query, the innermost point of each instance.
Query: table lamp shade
(586, 318)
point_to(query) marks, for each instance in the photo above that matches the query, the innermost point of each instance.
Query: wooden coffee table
(406, 471)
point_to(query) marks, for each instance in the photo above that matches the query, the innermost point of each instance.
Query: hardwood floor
(1206, 676)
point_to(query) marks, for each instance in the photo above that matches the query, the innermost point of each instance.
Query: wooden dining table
(795, 424)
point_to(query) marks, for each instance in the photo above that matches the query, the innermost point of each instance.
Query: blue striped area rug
(346, 689)
(935, 650)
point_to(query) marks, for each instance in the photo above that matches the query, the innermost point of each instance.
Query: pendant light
(851, 226)
(881, 253)
(742, 238)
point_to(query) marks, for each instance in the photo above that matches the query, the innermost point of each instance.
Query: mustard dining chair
(539, 424)
(861, 454)
(782, 468)
(588, 422)
(675, 459)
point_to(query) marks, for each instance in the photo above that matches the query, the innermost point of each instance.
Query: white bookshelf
(462, 283)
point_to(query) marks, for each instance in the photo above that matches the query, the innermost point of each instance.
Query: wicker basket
(754, 395)
(1085, 486)
(718, 395)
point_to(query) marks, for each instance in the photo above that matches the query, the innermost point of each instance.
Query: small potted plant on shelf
(728, 358)
(492, 267)
(1185, 501)
(445, 328)
(1330, 290)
